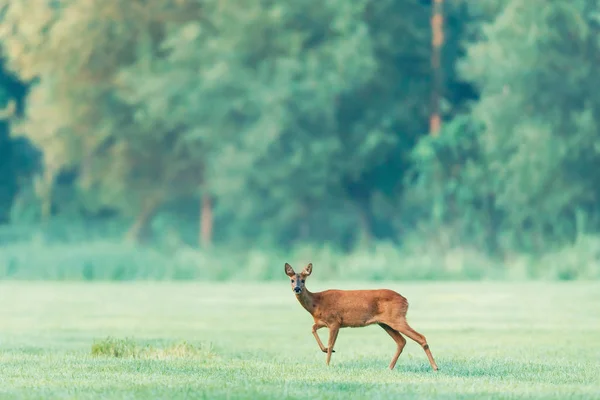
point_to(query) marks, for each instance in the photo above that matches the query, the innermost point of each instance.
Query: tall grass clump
(128, 348)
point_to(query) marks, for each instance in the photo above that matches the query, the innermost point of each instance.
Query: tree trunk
(437, 40)
(44, 189)
(206, 221)
(46, 207)
(139, 229)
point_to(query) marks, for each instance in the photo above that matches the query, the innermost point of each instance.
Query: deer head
(297, 280)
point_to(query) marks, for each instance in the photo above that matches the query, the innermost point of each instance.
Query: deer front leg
(333, 332)
(315, 328)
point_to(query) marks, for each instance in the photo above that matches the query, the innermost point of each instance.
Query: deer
(336, 309)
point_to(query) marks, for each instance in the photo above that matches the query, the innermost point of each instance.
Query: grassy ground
(490, 340)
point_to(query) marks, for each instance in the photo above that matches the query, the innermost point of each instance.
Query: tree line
(279, 123)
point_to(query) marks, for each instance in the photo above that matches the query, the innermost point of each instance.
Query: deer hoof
(325, 350)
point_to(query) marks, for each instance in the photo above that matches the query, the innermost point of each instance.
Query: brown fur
(338, 309)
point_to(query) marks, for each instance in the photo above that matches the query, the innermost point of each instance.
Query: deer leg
(333, 332)
(315, 328)
(404, 328)
(399, 339)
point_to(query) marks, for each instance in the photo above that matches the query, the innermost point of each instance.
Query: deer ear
(289, 271)
(307, 270)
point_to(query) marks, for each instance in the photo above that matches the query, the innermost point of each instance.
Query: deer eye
(292, 281)
(302, 280)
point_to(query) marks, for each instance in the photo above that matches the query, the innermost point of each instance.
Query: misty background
(378, 139)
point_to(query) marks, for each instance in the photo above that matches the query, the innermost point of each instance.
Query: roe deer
(337, 309)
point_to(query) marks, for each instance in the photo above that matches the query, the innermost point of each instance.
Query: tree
(293, 121)
(76, 50)
(537, 147)
(261, 84)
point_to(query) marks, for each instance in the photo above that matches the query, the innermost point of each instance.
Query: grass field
(254, 341)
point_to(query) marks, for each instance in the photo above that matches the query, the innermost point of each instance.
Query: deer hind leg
(404, 328)
(333, 333)
(398, 338)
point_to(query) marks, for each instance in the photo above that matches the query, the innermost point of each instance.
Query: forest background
(378, 139)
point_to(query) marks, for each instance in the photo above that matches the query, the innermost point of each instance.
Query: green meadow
(254, 341)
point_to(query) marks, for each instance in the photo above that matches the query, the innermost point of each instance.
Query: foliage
(517, 173)
(301, 127)
(271, 116)
(74, 113)
(17, 160)
(290, 110)
(540, 149)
